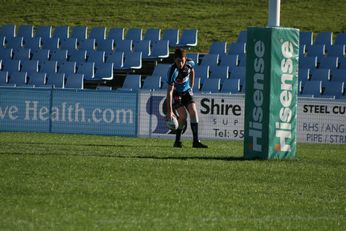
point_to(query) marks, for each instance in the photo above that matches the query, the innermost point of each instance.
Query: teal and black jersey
(180, 78)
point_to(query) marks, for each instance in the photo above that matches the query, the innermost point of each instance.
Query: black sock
(194, 128)
(178, 135)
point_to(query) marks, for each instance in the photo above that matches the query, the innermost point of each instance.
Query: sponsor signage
(271, 93)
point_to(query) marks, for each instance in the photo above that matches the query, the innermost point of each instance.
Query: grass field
(80, 182)
(219, 20)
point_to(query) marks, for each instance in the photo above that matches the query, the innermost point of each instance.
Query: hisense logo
(283, 127)
(255, 125)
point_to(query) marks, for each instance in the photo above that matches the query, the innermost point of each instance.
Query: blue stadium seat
(51, 43)
(68, 43)
(143, 46)
(124, 46)
(312, 89)
(238, 73)
(48, 66)
(305, 38)
(106, 45)
(231, 86)
(11, 65)
(333, 89)
(59, 55)
(134, 34)
(32, 43)
(194, 57)
(22, 53)
(172, 35)
(161, 69)
(132, 83)
(36, 79)
(189, 38)
(219, 72)
(133, 60)
(62, 32)
(87, 69)
(324, 38)
(211, 85)
(78, 56)
(117, 58)
(196, 87)
(117, 34)
(87, 44)
(336, 50)
(236, 48)
(79, 32)
(2, 41)
(74, 81)
(98, 33)
(329, 62)
(303, 74)
(104, 71)
(210, 60)
(19, 79)
(6, 53)
(202, 72)
(55, 80)
(96, 56)
(8, 30)
(308, 62)
(242, 37)
(67, 67)
(152, 83)
(152, 34)
(242, 60)
(159, 50)
(316, 50)
(338, 75)
(218, 47)
(43, 31)
(14, 42)
(340, 38)
(320, 75)
(3, 78)
(228, 60)
(25, 31)
(40, 54)
(30, 65)
(342, 62)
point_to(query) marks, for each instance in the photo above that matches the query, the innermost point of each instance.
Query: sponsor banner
(321, 121)
(69, 111)
(271, 92)
(17, 112)
(220, 116)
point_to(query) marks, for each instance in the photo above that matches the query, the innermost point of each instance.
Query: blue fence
(69, 111)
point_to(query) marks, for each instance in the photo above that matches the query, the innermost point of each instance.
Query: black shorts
(182, 99)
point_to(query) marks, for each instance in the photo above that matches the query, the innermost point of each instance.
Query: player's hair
(179, 53)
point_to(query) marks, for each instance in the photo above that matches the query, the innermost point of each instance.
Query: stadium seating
(50, 43)
(96, 56)
(59, 55)
(132, 61)
(8, 30)
(124, 46)
(78, 56)
(330, 62)
(55, 80)
(228, 60)
(189, 38)
(106, 45)
(338, 75)
(236, 48)
(32, 43)
(308, 62)
(159, 50)
(152, 83)
(218, 47)
(87, 44)
(87, 69)
(219, 72)
(74, 81)
(6, 53)
(48, 66)
(30, 65)
(3, 78)
(152, 34)
(104, 71)
(172, 35)
(79, 32)
(320, 74)
(194, 57)
(161, 70)
(11, 65)
(117, 58)
(43, 32)
(336, 50)
(143, 46)
(231, 86)
(134, 34)
(36, 79)
(311, 89)
(210, 60)
(22, 53)
(211, 85)
(132, 83)
(116, 34)
(316, 50)
(98, 33)
(18, 79)
(340, 38)
(14, 42)
(62, 32)
(333, 89)
(40, 54)
(67, 67)
(324, 38)
(68, 43)
(305, 38)
(202, 72)
(242, 36)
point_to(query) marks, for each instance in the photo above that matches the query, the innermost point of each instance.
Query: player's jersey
(180, 78)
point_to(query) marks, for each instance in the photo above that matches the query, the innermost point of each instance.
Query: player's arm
(169, 101)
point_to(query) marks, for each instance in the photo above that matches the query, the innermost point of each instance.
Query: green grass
(80, 182)
(219, 20)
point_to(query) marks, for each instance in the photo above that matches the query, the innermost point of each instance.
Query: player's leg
(192, 109)
(182, 121)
